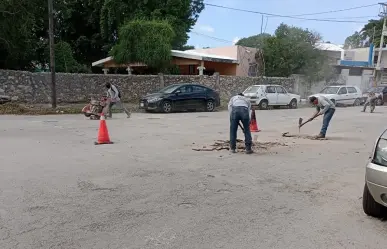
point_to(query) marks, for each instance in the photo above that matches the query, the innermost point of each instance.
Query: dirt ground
(150, 189)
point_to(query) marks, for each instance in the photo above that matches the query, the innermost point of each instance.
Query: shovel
(300, 123)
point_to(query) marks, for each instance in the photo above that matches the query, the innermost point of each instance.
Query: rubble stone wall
(35, 88)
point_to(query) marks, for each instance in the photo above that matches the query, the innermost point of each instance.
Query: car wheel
(370, 206)
(210, 106)
(293, 104)
(379, 102)
(263, 105)
(166, 106)
(357, 102)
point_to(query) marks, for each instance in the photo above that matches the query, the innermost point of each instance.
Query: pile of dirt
(19, 109)
(225, 145)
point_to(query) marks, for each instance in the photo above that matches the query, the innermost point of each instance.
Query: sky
(222, 27)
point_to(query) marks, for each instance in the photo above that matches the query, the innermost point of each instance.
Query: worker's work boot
(233, 151)
(319, 136)
(249, 150)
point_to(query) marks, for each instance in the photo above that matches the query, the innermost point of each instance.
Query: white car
(342, 95)
(271, 95)
(375, 189)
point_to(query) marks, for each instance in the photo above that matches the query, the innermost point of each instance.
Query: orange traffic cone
(253, 123)
(103, 133)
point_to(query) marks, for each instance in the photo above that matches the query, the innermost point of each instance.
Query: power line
(284, 16)
(212, 37)
(340, 10)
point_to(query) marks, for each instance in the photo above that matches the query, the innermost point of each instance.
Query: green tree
(181, 15)
(255, 41)
(370, 33)
(187, 47)
(18, 25)
(148, 42)
(289, 51)
(64, 59)
(354, 41)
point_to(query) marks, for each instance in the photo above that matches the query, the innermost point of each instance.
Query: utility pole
(261, 24)
(52, 51)
(383, 14)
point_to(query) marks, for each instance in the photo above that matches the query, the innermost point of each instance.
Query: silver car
(375, 189)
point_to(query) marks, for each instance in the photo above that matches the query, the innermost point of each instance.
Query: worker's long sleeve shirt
(113, 93)
(324, 104)
(240, 101)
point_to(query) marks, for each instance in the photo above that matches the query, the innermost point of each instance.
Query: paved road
(151, 190)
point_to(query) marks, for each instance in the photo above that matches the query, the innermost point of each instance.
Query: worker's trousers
(326, 120)
(120, 106)
(240, 114)
(371, 102)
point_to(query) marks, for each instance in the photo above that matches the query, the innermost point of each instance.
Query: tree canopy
(370, 33)
(289, 51)
(90, 27)
(149, 42)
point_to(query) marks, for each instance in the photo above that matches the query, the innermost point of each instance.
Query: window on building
(343, 90)
(253, 69)
(355, 71)
(351, 90)
(191, 69)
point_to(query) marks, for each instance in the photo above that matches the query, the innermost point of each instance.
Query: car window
(252, 89)
(270, 89)
(280, 89)
(342, 90)
(330, 90)
(186, 89)
(351, 90)
(198, 89)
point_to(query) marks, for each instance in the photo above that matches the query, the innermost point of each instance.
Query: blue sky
(230, 25)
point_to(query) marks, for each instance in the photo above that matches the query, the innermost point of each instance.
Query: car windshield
(330, 90)
(381, 152)
(169, 89)
(252, 89)
(374, 90)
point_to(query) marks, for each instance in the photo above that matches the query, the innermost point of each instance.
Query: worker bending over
(239, 108)
(371, 100)
(326, 107)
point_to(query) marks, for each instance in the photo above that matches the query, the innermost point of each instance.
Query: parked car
(264, 96)
(181, 97)
(380, 92)
(342, 95)
(375, 188)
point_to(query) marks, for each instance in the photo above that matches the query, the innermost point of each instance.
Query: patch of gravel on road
(219, 145)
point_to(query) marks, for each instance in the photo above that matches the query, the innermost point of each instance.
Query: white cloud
(235, 40)
(205, 28)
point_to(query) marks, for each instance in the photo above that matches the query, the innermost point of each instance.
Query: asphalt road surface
(151, 190)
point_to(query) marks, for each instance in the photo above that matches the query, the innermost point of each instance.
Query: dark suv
(181, 97)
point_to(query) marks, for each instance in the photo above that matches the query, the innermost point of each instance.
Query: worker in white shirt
(239, 108)
(115, 99)
(326, 107)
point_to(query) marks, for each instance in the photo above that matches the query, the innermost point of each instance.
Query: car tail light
(380, 155)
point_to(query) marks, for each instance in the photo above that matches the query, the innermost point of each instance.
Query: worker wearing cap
(326, 107)
(239, 108)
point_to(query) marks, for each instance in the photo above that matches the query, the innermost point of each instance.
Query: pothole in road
(223, 191)
(186, 205)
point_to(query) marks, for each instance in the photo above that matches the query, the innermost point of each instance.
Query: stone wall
(74, 88)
